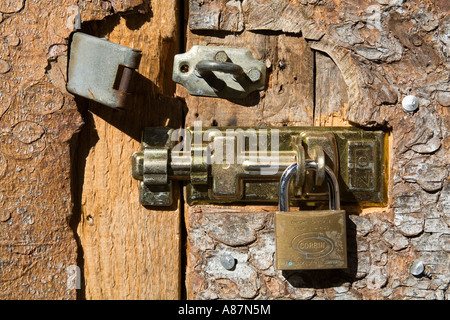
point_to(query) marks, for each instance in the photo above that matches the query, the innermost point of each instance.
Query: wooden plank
(129, 251)
(287, 100)
(369, 56)
(37, 121)
(330, 92)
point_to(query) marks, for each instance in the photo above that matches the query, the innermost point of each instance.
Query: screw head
(417, 268)
(410, 103)
(254, 75)
(221, 56)
(227, 261)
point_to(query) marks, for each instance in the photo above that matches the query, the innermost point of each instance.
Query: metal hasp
(101, 70)
(219, 72)
(244, 165)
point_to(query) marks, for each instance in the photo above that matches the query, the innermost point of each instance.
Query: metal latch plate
(358, 158)
(219, 84)
(101, 70)
(361, 170)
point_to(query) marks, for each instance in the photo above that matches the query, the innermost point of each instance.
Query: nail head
(410, 103)
(227, 261)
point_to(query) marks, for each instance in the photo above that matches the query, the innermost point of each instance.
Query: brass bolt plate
(357, 157)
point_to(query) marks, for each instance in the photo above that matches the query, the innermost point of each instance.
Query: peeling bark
(37, 121)
(374, 53)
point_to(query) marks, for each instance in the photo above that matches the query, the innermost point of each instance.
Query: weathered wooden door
(333, 63)
(68, 200)
(69, 207)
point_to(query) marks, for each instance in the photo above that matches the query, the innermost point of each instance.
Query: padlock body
(309, 240)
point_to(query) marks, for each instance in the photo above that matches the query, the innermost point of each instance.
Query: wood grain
(378, 52)
(37, 121)
(129, 251)
(288, 97)
(331, 97)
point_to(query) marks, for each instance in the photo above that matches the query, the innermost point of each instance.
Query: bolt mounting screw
(418, 268)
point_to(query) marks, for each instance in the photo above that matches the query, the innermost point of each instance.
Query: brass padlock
(309, 240)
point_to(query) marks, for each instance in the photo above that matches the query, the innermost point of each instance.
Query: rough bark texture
(42, 196)
(37, 120)
(383, 51)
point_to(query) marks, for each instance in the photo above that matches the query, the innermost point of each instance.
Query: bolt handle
(206, 66)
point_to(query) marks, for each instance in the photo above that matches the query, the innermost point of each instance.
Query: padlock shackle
(286, 178)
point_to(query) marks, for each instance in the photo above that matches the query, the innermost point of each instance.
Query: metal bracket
(219, 72)
(244, 165)
(151, 167)
(101, 70)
